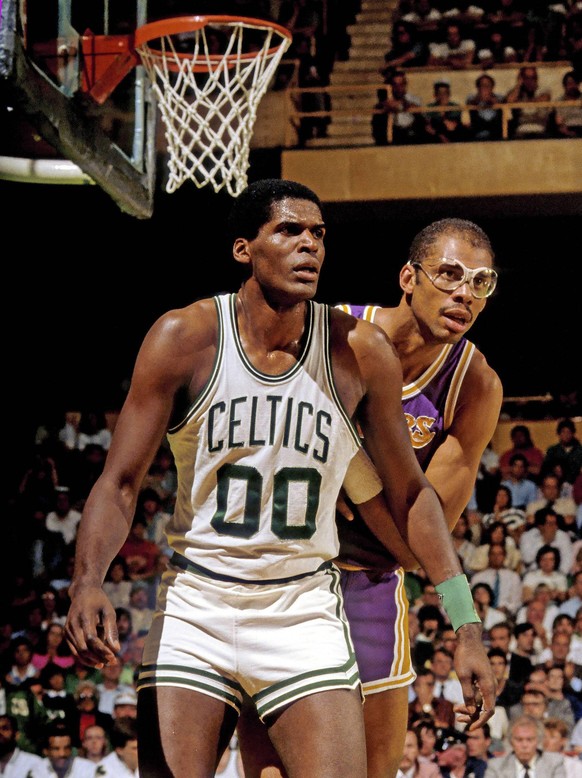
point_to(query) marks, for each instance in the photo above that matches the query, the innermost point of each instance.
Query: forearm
(103, 530)
(427, 535)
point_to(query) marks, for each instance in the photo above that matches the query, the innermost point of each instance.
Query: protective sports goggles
(450, 274)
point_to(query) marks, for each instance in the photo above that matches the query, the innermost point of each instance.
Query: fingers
(93, 640)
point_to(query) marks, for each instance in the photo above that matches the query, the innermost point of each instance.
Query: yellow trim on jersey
(369, 313)
(416, 386)
(455, 385)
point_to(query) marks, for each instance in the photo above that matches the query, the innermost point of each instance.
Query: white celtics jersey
(260, 461)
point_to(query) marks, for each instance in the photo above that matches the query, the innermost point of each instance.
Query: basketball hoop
(209, 74)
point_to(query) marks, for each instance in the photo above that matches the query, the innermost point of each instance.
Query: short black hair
(468, 230)
(253, 207)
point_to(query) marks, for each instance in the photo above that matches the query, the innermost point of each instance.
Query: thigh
(182, 733)
(322, 736)
(386, 718)
(260, 760)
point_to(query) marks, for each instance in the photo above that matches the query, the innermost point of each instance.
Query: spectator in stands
(486, 122)
(509, 15)
(425, 703)
(522, 443)
(94, 745)
(430, 624)
(20, 663)
(131, 644)
(556, 741)
(504, 583)
(573, 603)
(410, 765)
(487, 481)
(78, 673)
(58, 703)
(63, 518)
(444, 126)
(309, 76)
(446, 682)
(24, 704)
(117, 584)
(50, 605)
(538, 613)
(573, 38)
(508, 690)
(546, 532)
(546, 572)
(496, 532)
(142, 556)
(141, 613)
(407, 128)
(523, 489)
(455, 52)
(567, 452)
(111, 686)
(482, 597)
(123, 757)
(59, 758)
(427, 734)
(426, 18)
(14, 761)
(560, 694)
(503, 511)
(526, 741)
(125, 705)
(93, 429)
(462, 540)
(88, 714)
(162, 477)
(406, 50)
(478, 750)
(523, 655)
(52, 648)
(550, 498)
(451, 748)
(576, 738)
(495, 50)
(528, 123)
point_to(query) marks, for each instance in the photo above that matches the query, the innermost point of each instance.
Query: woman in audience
(503, 510)
(498, 533)
(52, 647)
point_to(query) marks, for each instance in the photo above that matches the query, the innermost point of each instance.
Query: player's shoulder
(367, 311)
(480, 374)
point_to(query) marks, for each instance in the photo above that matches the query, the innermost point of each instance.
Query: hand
(91, 628)
(476, 677)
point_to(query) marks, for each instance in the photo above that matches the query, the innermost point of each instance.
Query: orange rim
(180, 24)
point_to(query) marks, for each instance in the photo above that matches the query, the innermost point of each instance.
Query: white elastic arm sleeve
(362, 481)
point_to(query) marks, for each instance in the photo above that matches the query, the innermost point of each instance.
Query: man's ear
(407, 278)
(240, 251)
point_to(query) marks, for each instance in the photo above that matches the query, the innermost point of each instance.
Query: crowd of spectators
(520, 543)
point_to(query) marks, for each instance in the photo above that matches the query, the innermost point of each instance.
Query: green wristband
(456, 598)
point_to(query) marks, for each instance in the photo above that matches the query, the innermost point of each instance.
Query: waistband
(177, 560)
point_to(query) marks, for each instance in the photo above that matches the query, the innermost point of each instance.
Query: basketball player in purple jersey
(451, 400)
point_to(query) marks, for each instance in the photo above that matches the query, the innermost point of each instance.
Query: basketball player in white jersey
(451, 400)
(256, 392)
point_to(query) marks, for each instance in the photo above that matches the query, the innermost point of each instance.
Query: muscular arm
(453, 468)
(172, 349)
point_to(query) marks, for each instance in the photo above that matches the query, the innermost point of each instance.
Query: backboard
(86, 86)
(53, 129)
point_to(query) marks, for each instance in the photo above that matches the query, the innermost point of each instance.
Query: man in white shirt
(15, 763)
(122, 761)
(505, 583)
(59, 760)
(546, 533)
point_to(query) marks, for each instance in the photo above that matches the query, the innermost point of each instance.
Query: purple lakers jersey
(429, 405)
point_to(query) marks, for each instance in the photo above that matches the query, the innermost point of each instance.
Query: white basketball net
(209, 116)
